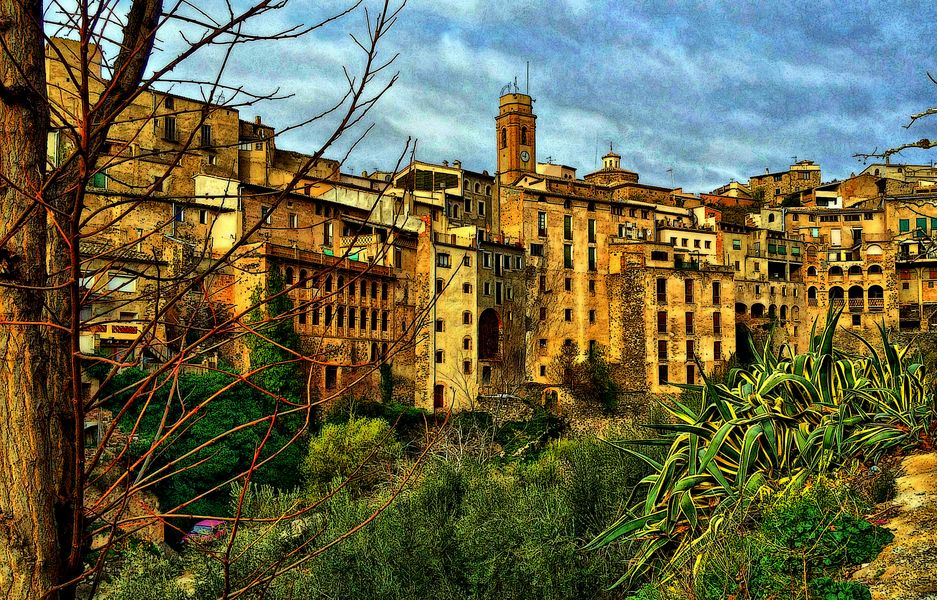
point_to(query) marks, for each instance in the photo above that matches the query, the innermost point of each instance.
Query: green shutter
(904, 225)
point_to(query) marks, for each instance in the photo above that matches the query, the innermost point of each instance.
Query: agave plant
(776, 421)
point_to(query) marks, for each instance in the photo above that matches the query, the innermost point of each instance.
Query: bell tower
(516, 130)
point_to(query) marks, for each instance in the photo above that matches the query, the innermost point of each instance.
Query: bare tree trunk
(38, 446)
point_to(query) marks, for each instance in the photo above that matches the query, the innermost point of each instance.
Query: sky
(714, 91)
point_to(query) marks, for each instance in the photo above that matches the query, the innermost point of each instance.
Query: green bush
(360, 450)
(824, 588)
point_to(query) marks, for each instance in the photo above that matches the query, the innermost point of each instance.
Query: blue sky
(714, 90)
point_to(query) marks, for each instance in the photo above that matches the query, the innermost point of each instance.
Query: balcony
(686, 265)
(856, 305)
(811, 301)
(114, 331)
(876, 304)
(837, 303)
(314, 258)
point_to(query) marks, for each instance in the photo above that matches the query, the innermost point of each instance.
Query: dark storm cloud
(714, 90)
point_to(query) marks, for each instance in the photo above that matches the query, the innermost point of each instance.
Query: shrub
(360, 449)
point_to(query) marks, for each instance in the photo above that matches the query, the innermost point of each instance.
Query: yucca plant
(771, 423)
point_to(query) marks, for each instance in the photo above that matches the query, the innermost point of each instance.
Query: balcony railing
(811, 301)
(856, 304)
(876, 304)
(837, 302)
(114, 331)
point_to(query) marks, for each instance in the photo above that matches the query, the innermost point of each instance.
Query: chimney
(257, 119)
(767, 171)
(457, 164)
(445, 163)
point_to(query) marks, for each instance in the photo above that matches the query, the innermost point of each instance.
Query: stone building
(772, 188)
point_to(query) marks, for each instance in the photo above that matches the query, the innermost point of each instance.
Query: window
(351, 318)
(385, 318)
(467, 260)
(592, 286)
(481, 209)
(542, 283)
(374, 290)
(487, 288)
(363, 321)
(383, 291)
(691, 374)
(331, 377)
(203, 216)
(504, 137)
(567, 227)
(99, 180)
(542, 224)
(593, 258)
(568, 284)
(543, 370)
(328, 316)
(689, 323)
(373, 320)
(315, 316)
(662, 349)
(536, 249)
(568, 256)
(592, 316)
(169, 129)
(122, 283)
(440, 285)
(466, 343)
(591, 231)
(443, 260)
(440, 357)
(568, 314)
(690, 349)
(169, 102)
(340, 316)
(467, 367)
(717, 323)
(466, 288)
(206, 135)
(904, 225)
(717, 350)
(524, 136)
(661, 291)
(717, 293)
(178, 213)
(543, 313)
(688, 290)
(326, 234)
(466, 318)
(294, 221)
(696, 243)
(662, 321)
(542, 343)
(662, 374)
(486, 260)
(856, 320)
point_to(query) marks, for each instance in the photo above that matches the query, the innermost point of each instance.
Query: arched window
(487, 190)
(873, 250)
(876, 298)
(855, 270)
(811, 271)
(524, 136)
(811, 293)
(303, 277)
(341, 283)
(504, 138)
(837, 297)
(289, 275)
(771, 218)
(328, 283)
(467, 317)
(875, 270)
(467, 343)
(856, 298)
(740, 309)
(489, 334)
(836, 271)
(783, 313)
(477, 187)
(758, 310)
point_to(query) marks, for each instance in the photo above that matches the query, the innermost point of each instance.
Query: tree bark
(37, 444)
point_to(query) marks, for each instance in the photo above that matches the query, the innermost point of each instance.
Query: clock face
(525, 156)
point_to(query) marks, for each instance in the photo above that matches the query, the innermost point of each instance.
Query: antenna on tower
(516, 89)
(528, 79)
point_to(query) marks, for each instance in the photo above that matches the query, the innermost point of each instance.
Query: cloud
(716, 90)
